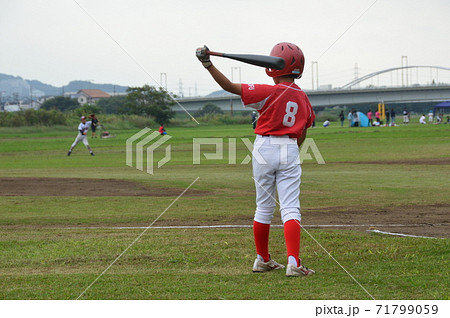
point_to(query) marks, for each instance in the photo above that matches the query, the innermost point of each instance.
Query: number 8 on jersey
(291, 111)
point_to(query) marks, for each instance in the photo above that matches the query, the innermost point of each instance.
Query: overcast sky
(56, 41)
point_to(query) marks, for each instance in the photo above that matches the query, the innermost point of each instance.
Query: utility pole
(161, 77)
(404, 70)
(316, 64)
(236, 68)
(356, 73)
(231, 97)
(431, 75)
(31, 97)
(180, 88)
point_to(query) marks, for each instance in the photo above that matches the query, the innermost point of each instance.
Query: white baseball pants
(276, 164)
(82, 138)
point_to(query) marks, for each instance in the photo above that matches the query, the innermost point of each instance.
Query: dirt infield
(430, 220)
(422, 161)
(85, 188)
(423, 220)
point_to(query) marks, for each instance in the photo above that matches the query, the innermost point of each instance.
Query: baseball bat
(273, 62)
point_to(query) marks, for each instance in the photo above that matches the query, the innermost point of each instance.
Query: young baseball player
(284, 115)
(83, 129)
(162, 130)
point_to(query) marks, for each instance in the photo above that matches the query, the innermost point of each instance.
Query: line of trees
(31, 117)
(63, 104)
(147, 101)
(151, 102)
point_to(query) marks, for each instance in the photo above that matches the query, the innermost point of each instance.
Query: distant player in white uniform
(430, 116)
(83, 129)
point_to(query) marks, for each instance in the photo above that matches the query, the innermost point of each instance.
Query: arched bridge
(368, 76)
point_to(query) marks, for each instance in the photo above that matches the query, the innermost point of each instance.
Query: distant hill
(74, 86)
(11, 86)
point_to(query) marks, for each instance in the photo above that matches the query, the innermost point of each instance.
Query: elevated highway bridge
(347, 95)
(339, 97)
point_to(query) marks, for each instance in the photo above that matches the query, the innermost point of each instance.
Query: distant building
(90, 96)
(41, 100)
(21, 105)
(36, 93)
(11, 107)
(73, 95)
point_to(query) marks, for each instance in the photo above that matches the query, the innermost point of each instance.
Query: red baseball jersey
(284, 109)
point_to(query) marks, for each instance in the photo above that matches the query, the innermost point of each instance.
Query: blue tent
(363, 120)
(441, 106)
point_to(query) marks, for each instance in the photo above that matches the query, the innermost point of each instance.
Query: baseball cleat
(260, 266)
(69, 153)
(292, 270)
(92, 154)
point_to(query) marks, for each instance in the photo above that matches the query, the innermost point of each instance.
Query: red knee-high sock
(261, 234)
(292, 236)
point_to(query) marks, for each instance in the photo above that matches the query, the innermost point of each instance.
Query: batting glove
(203, 56)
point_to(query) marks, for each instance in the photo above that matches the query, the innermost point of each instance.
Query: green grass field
(49, 251)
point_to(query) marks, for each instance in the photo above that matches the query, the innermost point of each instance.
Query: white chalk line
(401, 234)
(137, 238)
(237, 226)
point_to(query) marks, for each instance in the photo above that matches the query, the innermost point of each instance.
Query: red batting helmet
(293, 58)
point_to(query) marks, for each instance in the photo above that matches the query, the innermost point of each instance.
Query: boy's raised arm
(221, 79)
